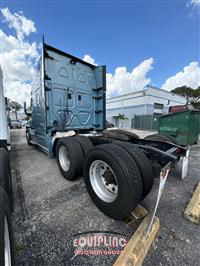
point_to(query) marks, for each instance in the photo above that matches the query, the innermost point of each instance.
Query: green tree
(195, 101)
(16, 107)
(122, 118)
(184, 91)
(192, 95)
(196, 94)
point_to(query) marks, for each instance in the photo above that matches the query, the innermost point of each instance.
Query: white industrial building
(149, 101)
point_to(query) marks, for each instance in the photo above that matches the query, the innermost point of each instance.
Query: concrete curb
(192, 211)
(135, 251)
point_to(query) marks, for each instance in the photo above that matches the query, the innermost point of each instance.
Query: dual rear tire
(70, 153)
(113, 180)
(117, 175)
(142, 163)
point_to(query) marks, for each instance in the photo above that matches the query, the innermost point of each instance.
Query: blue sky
(119, 33)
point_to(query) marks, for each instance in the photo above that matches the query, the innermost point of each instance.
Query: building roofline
(145, 89)
(130, 93)
(153, 87)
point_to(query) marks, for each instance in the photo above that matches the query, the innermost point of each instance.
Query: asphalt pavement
(50, 210)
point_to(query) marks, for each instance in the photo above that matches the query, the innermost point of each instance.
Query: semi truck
(6, 193)
(68, 121)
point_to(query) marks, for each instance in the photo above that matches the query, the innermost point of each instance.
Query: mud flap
(163, 177)
(182, 166)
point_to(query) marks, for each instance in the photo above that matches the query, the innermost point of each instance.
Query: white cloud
(125, 82)
(18, 91)
(195, 2)
(189, 76)
(17, 56)
(18, 22)
(87, 58)
(195, 5)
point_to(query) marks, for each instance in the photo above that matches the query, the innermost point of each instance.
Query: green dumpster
(183, 126)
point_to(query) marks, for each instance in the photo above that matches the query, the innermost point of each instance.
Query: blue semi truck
(68, 122)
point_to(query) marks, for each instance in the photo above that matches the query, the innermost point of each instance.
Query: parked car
(16, 124)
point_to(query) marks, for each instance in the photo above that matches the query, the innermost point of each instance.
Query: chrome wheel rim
(103, 181)
(64, 158)
(7, 253)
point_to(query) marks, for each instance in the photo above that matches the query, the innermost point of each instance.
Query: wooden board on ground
(135, 251)
(192, 211)
(139, 212)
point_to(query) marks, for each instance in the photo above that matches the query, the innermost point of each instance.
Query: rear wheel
(142, 162)
(85, 143)
(161, 137)
(113, 180)
(69, 157)
(6, 234)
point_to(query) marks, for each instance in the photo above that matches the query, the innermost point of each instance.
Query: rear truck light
(182, 165)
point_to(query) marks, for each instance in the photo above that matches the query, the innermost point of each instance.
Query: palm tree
(122, 118)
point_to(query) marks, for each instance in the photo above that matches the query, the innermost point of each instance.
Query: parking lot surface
(50, 210)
